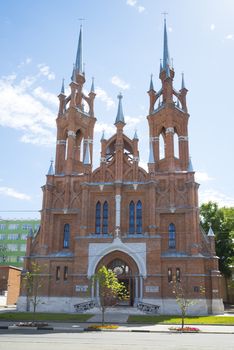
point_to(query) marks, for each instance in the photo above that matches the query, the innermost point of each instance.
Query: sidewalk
(123, 327)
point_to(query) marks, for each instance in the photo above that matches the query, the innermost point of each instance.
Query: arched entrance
(127, 272)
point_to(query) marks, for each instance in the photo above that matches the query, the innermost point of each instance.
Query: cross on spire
(164, 14)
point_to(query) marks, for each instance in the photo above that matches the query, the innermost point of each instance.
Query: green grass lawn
(223, 320)
(43, 316)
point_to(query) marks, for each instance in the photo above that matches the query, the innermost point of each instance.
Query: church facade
(142, 224)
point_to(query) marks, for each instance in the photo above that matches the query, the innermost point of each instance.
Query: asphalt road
(115, 341)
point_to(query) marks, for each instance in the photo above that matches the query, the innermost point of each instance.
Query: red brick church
(142, 224)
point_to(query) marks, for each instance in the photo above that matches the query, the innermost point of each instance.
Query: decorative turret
(51, 168)
(92, 90)
(152, 94)
(75, 122)
(168, 131)
(190, 166)
(135, 137)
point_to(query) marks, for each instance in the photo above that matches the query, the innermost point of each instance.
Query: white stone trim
(183, 138)
(71, 133)
(97, 251)
(154, 138)
(170, 130)
(61, 142)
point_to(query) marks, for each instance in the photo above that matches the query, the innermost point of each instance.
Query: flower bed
(185, 329)
(105, 326)
(31, 324)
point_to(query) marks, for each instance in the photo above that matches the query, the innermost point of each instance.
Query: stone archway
(127, 272)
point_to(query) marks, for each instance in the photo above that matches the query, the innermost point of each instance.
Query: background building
(13, 238)
(142, 224)
(9, 285)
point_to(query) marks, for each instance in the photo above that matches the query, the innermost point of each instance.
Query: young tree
(110, 289)
(222, 222)
(33, 282)
(3, 253)
(184, 297)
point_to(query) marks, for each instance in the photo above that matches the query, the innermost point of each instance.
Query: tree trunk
(103, 315)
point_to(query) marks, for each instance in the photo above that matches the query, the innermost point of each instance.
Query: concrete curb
(83, 330)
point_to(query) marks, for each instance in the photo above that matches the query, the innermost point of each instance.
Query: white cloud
(133, 121)
(202, 176)
(27, 61)
(45, 96)
(230, 37)
(140, 9)
(10, 192)
(131, 2)
(170, 29)
(22, 111)
(215, 196)
(45, 70)
(134, 3)
(108, 129)
(102, 95)
(119, 82)
(212, 27)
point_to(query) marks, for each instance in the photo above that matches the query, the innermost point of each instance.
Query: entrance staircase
(90, 307)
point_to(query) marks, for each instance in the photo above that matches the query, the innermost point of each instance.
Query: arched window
(105, 218)
(139, 217)
(172, 236)
(132, 217)
(66, 149)
(66, 236)
(161, 147)
(176, 145)
(98, 218)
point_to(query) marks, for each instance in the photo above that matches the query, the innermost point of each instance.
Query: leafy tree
(3, 253)
(222, 222)
(184, 298)
(33, 282)
(110, 289)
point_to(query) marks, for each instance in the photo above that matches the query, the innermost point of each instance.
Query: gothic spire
(79, 54)
(182, 82)
(51, 168)
(120, 116)
(166, 56)
(62, 88)
(135, 137)
(92, 86)
(151, 83)
(103, 135)
(210, 232)
(190, 166)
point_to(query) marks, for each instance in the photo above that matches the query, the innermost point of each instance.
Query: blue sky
(122, 47)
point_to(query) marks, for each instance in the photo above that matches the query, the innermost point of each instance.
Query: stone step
(116, 310)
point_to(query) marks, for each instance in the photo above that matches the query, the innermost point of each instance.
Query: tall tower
(75, 123)
(168, 119)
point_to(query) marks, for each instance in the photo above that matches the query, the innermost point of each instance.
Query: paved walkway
(110, 318)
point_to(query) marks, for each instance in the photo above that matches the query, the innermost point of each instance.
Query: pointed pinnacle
(151, 82)
(120, 116)
(62, 88)
(166, 56)
(79, 54)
